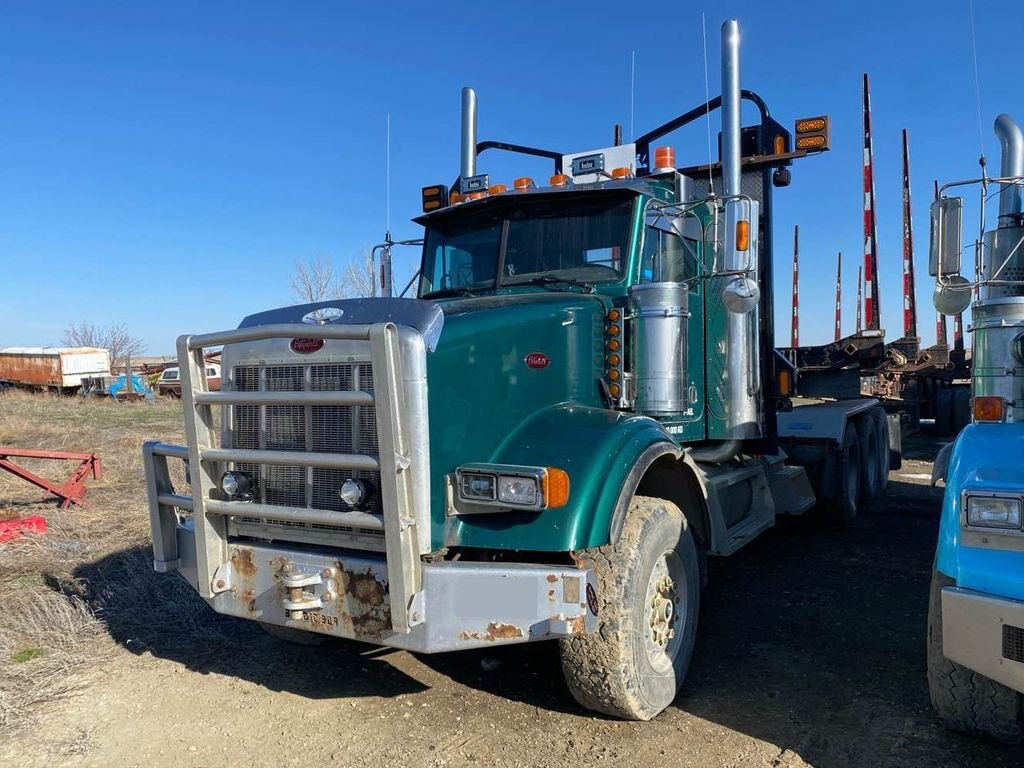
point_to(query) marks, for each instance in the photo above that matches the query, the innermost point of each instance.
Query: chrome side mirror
(947, 215)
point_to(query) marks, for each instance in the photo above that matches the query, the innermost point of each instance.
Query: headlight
(478, 487)
(235, 485)
(993, 512)
(353, 492)
(520, 491)
(506, 486)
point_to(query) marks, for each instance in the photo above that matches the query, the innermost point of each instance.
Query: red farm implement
(72, 490)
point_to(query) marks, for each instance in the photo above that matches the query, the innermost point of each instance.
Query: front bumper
(461, 605)
(985, 634)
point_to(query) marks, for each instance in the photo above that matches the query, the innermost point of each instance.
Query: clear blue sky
(165, 165)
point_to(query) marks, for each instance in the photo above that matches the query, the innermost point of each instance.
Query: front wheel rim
(665, 611)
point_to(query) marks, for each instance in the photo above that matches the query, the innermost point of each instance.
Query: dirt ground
(811, 652)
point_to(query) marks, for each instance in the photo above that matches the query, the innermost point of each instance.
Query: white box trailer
(52, 367)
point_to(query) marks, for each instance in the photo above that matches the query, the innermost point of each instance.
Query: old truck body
(59, 368)
(581, 404)
(976, 616)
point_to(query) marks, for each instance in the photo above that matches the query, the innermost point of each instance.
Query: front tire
(966, 700)
(648, 597)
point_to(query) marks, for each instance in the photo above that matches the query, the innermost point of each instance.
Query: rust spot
(370, 625)
(241, 561)
(552, 578)
(497, 631)
(364, 588)
(551, 595)
(577, 625)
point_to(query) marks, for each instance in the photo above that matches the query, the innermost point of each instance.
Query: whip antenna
(707, 98)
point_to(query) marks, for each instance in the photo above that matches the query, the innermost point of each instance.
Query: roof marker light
(664, 159)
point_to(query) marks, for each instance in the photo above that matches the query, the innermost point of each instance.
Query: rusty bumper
(345, 594)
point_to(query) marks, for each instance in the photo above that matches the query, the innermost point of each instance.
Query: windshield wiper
(443, 293)
(550, 280)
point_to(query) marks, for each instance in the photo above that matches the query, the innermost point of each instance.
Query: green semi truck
(581, 404)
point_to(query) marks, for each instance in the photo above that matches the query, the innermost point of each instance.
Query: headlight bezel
(491, 477)
(1015, 517)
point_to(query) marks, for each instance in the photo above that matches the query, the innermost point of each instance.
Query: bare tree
(115, 338)
(360, 276)
(317, 279)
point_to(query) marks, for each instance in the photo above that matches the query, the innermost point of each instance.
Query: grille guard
(210, 513)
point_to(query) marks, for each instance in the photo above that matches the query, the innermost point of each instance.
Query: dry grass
(66, 595)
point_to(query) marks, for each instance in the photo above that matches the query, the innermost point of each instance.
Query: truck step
(791, 490)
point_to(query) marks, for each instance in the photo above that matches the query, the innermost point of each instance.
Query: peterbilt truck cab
(976, 608)
(581, 403)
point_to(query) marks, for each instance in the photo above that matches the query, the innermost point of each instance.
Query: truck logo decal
(537, 360)
(306, 346)
(592, 599)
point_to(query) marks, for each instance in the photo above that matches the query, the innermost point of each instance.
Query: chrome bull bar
(206, 462)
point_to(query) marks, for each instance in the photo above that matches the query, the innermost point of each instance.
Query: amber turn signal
(555, 485)
(989, 408)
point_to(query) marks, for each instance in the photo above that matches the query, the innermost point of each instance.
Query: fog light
(353, 492)
(235, 485)
(993, 512)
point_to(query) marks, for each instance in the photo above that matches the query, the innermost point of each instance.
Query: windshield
(569, 238)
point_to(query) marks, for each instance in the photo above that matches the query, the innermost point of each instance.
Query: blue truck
(976, 606)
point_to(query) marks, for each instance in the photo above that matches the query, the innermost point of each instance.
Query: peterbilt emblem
(537, 360)
(306, 346)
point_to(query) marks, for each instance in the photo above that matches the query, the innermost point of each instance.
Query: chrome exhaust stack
(467, 166)
(731, 107)
(741, 294)
(1011, 142)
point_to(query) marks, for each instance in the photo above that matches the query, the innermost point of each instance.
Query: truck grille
(323, 429)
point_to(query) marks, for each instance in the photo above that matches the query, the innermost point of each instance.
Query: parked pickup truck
(169, 383)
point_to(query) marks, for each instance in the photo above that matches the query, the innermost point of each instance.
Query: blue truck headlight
(994, 512)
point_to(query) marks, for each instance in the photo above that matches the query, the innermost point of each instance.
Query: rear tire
(648, 597)
(882, 454)
(966, 700)
(867, 436)
(961, 409)
(943, 407)
(293, 636)
(843, 503)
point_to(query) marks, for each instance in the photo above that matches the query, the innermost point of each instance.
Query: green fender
(604, 452)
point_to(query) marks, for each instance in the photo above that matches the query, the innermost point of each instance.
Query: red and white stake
(860, 285)
(839, 297)
(909, 295)
(872, 305)
(795, 335)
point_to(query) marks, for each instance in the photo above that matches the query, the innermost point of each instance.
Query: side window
(212, 372)
(667, 257)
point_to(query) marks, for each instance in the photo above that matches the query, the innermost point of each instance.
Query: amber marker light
(497, 189)
(614, 315)
(559, 180)
(555, 486)
(664, 157)
(742, 235)
(989, 408)
(613, 345)
(620, 173)
(523, 182)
